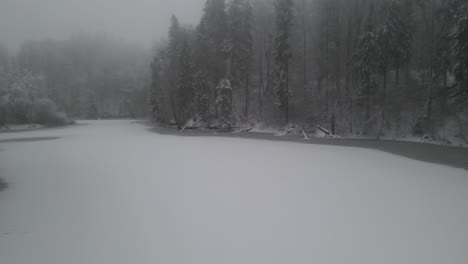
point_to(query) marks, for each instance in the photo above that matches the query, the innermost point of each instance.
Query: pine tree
(223, 102)
(241, 45)
(201, 99)
(185, 83)
(174, 37)
(212, 33)
(367, 64)
(284, 22)
(393, 39)
(400, 24)
(461, 54)
(92, 108)
(155, 92)
(4, 57)
(173, 51)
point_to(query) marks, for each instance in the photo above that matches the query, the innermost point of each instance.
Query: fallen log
(246, 130)
(328, 133)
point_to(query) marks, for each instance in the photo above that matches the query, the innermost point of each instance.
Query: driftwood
(305, 135)
(182, 130)
(196, 128)
(246, 130)
(328, 133)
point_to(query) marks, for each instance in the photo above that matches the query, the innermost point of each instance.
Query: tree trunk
(304, 53)
(260, 88)
(398, 103)
(287, 94)
(431, 69)
(384, 101)
(174, 112)
(247, 90)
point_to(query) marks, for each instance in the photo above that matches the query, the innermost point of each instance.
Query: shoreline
(439, 154)
(11, 131)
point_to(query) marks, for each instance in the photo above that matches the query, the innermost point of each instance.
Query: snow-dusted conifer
(223, 102)
(461, 53)
(241, 45)
(201, 99)
(367, 63)
(284, 21)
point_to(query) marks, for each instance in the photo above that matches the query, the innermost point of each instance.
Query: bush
(106, 115)
(3, 112)
(3, 185)
(45, 113)
(423, 126)
(19, 110)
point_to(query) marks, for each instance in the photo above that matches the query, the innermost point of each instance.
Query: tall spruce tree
(185, 83)
(200, 94)
(367, 64)
(224, 103)
(213, 30)
(284, 11)
(155, 91)
(91, 106)
(393, 45)
(461, 53)
(173, 50)
(241, 46)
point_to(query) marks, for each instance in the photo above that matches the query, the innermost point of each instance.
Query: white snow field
(111, 192)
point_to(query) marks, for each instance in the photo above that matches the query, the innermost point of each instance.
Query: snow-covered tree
(201, 99)
(284, 14)
(461, 53)
(23, 99)
(393, 37)
(155, 91)
(212, 35)
(91, 106)
(185, 83)
(241, 45)
(173, 51)
(367, 63)
(223, 102)
(4, 56)
(393, 46)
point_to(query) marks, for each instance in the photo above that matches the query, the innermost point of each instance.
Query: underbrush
(41, 112)
(3, 185)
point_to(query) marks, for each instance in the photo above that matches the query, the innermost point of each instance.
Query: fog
(138, 21)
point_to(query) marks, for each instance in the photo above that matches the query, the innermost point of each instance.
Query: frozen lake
(112, 192)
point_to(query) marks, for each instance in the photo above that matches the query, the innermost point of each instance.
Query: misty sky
(139, 21)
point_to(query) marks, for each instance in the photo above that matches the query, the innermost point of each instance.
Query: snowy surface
(112, 192)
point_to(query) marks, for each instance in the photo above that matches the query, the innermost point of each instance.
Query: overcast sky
(139, 21)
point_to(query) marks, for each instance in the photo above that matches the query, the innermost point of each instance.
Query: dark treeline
(368, 67)
(86, 76)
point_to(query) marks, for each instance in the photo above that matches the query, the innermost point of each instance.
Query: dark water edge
(6, 131)
(3, 185)
(444, 155)
(32, 139)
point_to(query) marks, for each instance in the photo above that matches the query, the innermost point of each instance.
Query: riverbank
(33, 127)
(432, 153)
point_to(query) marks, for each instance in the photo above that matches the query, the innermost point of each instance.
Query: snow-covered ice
(112, 192)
